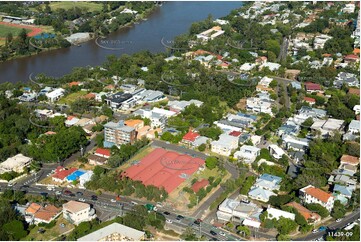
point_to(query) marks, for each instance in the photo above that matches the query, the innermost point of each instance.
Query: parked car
(166, 213)
(222, 233)
(322, 228)
(94, 198)
(169, 221)
(113, 200)
(81, 199)
(67, 192)
(58, 193)
(179, 217)
(213, 233)
(338, 220)
(315, 231)
(79, 193)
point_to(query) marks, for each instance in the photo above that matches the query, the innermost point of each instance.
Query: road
(348, 219)
(180, 149)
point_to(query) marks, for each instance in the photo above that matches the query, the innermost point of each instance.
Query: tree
(189, 235)
(202, 147)
(280, 200)
(285, 226)
(15, 230)
(244, 230)
(211, 162)
(317, 208)
(338, 210)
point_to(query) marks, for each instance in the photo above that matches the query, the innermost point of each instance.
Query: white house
(225, 145)
(276, 151)
(16, 163)
(77, 212)
(247, 153)
(277, 214)
(311, 194)
(271, 66)
(247, 67)
(55, 95)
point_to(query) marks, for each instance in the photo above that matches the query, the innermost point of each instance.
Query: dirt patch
(34, 30)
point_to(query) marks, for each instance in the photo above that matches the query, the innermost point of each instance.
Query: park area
(91, 6)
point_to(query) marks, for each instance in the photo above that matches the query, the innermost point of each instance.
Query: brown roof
(97, 158)
(307, 214)
(33, 208)
(74, 206)
(352, 160)
(200, 184)
(318, 193)
(47, 213)
(355, 91)
(133, 122)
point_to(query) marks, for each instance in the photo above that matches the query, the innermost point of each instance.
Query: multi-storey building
(311, 194)
(118, 134)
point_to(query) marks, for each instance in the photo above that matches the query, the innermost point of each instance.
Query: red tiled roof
(350, 159)
(64, 173)
(354, 57)
(190, 136)
(312, 86)
(355, 91)
(200, 184)
(74, 84)
(309, 99)
(356, 51)
(104, 152)
(235, 133)
(47, 213)
(70, 117)
(89, 96)
(33, 208)
(307, 214)
(318, 193)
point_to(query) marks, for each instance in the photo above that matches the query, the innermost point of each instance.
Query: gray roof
(111, 229)
(355, 124)
(344, 190)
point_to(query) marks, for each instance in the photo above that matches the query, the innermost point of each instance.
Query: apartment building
(118, 134)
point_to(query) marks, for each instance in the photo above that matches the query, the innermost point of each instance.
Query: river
(168, 21)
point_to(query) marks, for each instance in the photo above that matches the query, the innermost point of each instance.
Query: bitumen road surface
(336, 225)
(180, 149)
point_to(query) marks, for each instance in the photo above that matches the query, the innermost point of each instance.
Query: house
(247, 154)
(237, 211)
(84, 122)
(190, 137)
(158, 117)
(296, 85)
(259, 105)
(345, 191)
(311, 194)
(312, 87)
(28, 97)
(247, 67)
(35, 213)
(134, 123)
(265, 81)
(351, 58)
(260, 194)
(289, 128)
(149, 96)
(200, 140)
(271, 66)
(225, 145)
(276, 151)
(200, 184)
(349, 8)
(311, 217)
(55, 95)
(354, 127)
(118, 134)
(71, 120)
(61, 173)
(179, 106)
(102, 152)
(342, 179)
(210, 34)
(320, 40)
(116, 100)
(308, 112)
(349, 160)
(294, 143)
(328, 127)
(309, 100)
(356, 109)
(114, 232)
(76, 212)
(256, 139)
(99, 96)
(349, 79)
(273, 213)
(221, 21)
(15, 163)
(97, 160)
(268, 182)
(84, 178)
(127, 10)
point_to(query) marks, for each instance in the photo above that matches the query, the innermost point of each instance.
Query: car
(62, 225)
(94, 198)
(222, 233)
(72, 194)
(213, 239)
(322, 228)
(169, 221)
(58, 193)
(197, 222)
(213, 233)
(159, 205)
(79, 193)
(166, 213)
(134, 203)
(67, 192)
(179, 217)
(44, 194)
(314, 231)
(113, 200)
(338, 220)
(81, 199)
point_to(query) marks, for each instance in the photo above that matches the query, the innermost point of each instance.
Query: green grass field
(4, 30)
(70, 4)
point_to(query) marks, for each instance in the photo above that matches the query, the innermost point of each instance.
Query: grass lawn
(72, 97)
(51, 233)
(138, 157)
(71, 4)
(4, 30)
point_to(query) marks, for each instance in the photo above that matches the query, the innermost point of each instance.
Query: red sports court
(163, 168)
